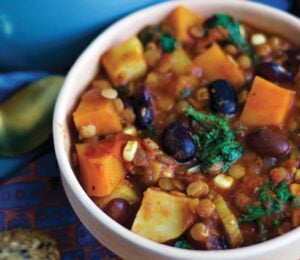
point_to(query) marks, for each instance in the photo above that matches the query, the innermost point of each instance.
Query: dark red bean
(143, 108)
(274, 72)
(293, 60)
(268, 143)
(117, 209)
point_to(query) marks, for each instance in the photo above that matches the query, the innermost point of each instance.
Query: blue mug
(49, 35)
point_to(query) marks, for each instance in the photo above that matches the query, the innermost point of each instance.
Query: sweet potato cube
(181, 19)
(124, 190)
(162, 216)
(97, 111)
(100, 171)
(125, 61)
(266, 104)
(217, 65)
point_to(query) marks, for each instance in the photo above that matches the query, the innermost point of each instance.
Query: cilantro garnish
(270, 201)
(253, 213)
(182, 243)
(234, 37)
(167, 42)
(147, 34)
(216, 142)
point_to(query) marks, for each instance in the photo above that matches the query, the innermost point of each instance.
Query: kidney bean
(117, 209)
(268, 143)
(143, 108)
(273, 72)
(293, 60)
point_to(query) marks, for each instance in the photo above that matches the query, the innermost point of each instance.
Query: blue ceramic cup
(37, 34)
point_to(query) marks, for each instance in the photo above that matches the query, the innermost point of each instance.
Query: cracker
(27, 244)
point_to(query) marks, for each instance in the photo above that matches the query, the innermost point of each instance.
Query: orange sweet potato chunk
(98, 111)
(101, 168)
(181, 20)
(266, 104)
(217, 65)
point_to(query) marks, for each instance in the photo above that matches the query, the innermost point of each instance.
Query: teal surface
(40, 34)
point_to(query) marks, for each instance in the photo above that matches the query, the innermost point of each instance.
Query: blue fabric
(13, 81)
(280, 4)
(10, 83)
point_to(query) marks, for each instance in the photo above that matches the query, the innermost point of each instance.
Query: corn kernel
(258, 39)
(130, 150)
(130, 130)
(109, 93)
(87, 131)
(295, 189)
(167, 172)
(223, 181)
(242, 30)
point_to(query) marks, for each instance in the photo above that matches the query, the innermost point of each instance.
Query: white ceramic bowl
(117, 238)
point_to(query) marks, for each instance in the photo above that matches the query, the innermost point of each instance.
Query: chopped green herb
(164, 39)
(276, 222)
(216, 142)
(234, 35)
(185, 92)
(182, 243)
(282, 192)
(253, 213)
(270, 201)
(167, 42)
(147, 34)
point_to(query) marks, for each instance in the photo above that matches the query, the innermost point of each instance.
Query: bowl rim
(68, 175)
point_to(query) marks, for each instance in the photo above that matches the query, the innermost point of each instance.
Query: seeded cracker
(27, 244)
